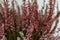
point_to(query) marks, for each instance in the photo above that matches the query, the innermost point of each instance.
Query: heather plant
(27, 22)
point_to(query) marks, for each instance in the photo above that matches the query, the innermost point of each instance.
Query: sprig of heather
(31, 23)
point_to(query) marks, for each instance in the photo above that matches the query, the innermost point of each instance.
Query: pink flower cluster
(31, 21)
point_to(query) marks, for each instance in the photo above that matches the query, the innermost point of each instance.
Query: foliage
(30, 24)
